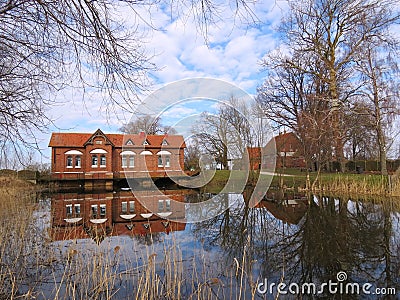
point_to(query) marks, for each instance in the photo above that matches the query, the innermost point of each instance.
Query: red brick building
(81, 216)
(289, 151)
(106, 156)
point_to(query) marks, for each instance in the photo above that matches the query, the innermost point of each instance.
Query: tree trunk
(379, 126)
(381, 141)
(335, 110)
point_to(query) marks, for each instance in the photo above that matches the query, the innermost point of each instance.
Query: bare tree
(361, 140)
(169, 130)
(47, 46)
(146, 123)
(192, 156)
(380, 89)
(294, 99)
(234, 127)
(323, 40)
(212, 136)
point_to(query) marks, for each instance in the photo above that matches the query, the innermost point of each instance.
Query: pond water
(113, 246)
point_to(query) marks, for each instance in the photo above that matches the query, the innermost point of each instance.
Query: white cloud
(232, 54)
(179, 50)
(178, 112)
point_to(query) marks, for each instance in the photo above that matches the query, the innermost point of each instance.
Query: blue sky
(176, 46)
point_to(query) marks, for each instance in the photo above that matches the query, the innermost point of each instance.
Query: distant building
(284, 150)
(289, 151)
(254, 158)
(98, 155)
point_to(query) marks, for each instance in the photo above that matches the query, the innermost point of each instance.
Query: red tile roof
(78, 140)
(175, 141)
(68, 139)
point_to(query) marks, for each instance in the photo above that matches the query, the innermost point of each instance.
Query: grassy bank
(340, 183)
(20, 251)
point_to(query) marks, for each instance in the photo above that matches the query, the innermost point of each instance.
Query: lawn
(296, 179)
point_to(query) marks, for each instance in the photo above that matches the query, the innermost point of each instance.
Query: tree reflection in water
(357, 236)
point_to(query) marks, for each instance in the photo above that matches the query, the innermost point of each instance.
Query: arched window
(77, 161)
(102, 161)
(146, 152)
(69, 161)
(164, 158)
(128, 156)
(94, 161)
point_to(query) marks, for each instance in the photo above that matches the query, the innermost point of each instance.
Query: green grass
(333, 182)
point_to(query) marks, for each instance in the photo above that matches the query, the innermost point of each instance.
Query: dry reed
(33, 266)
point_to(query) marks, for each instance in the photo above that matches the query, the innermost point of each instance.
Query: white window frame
(160, 205)
(131, 160)
(78, 161)
(77, 210)
(103, 161)
(124, 161)
(69, 210)
(103, 210)
(124, 207)
(94, 211)
(164, 205)
(95, 158)
(160, 161)
(131, 207)
(70, 161)
(167, 161)
(164, 158)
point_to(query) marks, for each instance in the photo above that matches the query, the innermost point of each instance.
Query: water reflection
(335, 235)
(303, 239)
(80, 216)
(288, 238)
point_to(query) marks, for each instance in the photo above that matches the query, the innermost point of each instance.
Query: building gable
(97, 134)
(129, 142)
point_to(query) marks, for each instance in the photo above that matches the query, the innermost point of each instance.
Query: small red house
(289, 150)
(106, 156)
(283, 150)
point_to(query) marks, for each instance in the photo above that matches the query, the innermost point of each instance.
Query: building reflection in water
(82, 216)
(287, 207)
(289, 211)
